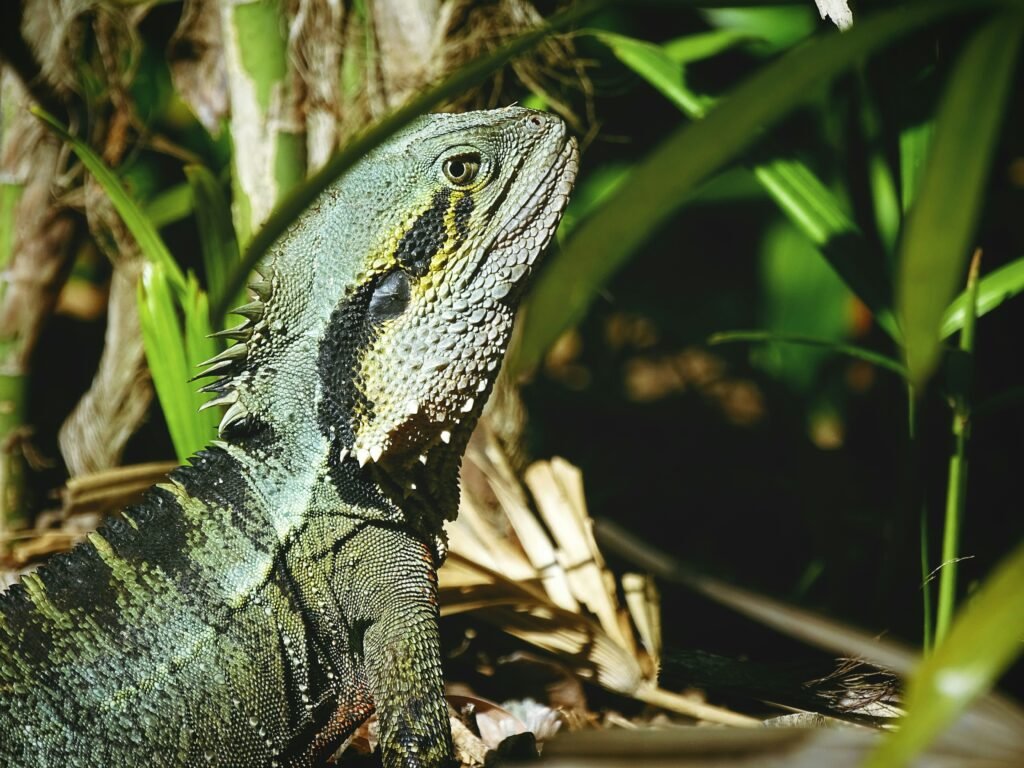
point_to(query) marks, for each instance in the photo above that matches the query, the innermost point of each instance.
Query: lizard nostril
(536, 122)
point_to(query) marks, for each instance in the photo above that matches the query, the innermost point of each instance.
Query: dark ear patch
(390, 296)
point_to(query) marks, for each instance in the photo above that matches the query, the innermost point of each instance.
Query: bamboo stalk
(269, 147)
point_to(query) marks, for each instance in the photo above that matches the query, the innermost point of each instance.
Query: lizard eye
(461, 170)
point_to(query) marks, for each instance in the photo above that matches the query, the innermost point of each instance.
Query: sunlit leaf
(704, 45)
(168, 350)
(993, 289)
(938, 235)
(914, 143)
(986, 637)
(663, 71)
(199, 347)
(799, 294)
(779, 27)
(808, 203)
(171, 205)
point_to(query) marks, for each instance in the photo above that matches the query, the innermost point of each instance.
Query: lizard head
(478, 204)
(400, 284)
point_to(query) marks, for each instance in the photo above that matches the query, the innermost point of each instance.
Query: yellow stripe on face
(423, 250)
(427, 236)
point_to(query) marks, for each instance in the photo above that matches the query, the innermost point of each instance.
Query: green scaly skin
(258, 607)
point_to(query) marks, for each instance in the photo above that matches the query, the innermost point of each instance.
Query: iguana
(254, 610)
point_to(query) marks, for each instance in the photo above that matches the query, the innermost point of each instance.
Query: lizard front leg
(396, 577)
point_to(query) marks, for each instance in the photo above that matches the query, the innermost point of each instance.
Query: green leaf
(171, 205)
(169, 352)
(800, 295)
(779, 27)
(984, 640)
(959, 381)
(816, 212)
(704, 45)
(589, 194)
(263, 46)
(302, 195)
(199, 346)
(659, 68)
(10, 194)
(668, 175)
(805, 199)
(937, 238)
(884, 188)
(808, 203)
(914, 143)
(142, 229)
(993, 289)
(850, 350)
(216, 234)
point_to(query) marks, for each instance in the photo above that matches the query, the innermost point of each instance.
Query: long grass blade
(199, 346)
(956, 490)
(142, 229)
(167, 352)
(850, 350)
(940, 226)
(170, 206)
(915, 141)
(809, 204)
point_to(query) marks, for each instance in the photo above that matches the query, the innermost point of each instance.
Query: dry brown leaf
(557, 488)
(645, 609)
(542, 578)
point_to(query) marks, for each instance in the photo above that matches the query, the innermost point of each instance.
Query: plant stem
(926, 586)
(917, 500)
(956, 490)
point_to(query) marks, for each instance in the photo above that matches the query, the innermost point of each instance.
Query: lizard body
(260, 605)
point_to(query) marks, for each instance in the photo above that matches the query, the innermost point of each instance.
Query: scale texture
(254, 610)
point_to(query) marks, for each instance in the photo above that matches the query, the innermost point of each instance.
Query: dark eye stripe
(463, 210)
(426, 237)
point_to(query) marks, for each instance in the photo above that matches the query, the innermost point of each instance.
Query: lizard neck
(290, 415)
(297, 483)
(291, 385)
